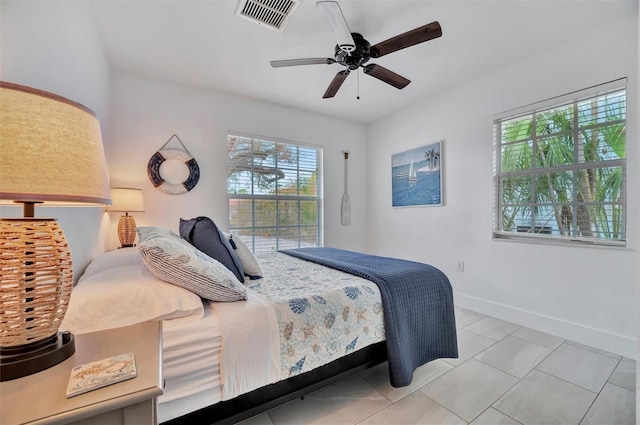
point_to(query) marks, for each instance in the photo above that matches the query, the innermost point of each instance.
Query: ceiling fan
(353, 51)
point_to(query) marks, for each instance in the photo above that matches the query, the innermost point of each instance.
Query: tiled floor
(506, 374)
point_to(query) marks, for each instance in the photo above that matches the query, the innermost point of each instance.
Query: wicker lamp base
(36, 283)
(127, 230)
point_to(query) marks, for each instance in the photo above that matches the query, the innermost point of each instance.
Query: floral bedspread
(323, 314)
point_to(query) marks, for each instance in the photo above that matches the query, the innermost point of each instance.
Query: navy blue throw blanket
(417, 301)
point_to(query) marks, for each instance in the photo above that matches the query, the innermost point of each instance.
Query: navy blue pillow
(203, 233)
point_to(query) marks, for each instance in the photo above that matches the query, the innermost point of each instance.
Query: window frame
(318, 197)
(539, 108)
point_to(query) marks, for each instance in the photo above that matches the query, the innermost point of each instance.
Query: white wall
(55, 47)
(146, 113)
(586, 294)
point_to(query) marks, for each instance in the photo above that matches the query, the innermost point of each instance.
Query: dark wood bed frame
(270, 396)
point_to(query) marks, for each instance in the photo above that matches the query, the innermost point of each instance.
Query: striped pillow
(174, 260)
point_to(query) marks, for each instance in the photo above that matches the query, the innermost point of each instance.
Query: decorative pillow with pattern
(172, 259)
(203, 233)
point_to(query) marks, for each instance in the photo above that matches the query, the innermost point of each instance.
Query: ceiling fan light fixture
(272, 14)
(347, 47)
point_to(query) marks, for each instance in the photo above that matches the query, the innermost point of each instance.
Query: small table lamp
(126, 200)
(50, 150)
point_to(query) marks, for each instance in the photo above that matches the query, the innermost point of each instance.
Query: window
(560, 168)
(274, 190)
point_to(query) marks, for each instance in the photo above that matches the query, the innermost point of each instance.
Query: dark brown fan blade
(407, 39)
(303, 61)
(336, 83)
(389, 77)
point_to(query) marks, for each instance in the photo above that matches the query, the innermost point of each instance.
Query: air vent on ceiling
(274, 14)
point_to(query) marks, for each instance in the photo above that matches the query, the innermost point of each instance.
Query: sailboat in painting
(413, 175)
(417, 178)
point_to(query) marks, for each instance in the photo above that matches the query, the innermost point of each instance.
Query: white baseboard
(597, 338)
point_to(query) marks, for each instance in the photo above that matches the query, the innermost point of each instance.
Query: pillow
(124, 296)
(174, 260)
(203, 233)
(112, 259)
(247, 259)
(149, 232)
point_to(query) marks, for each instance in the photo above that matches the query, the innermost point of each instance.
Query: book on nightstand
(101, 373)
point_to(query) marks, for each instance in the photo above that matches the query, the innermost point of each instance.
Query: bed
(293, 326)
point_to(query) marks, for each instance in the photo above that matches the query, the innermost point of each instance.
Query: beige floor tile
(469, 389)
(595, 350)
(614, 405)
(625, 375)
(466, 317)
(539, 338)
(378, 378)
(469, 344)
(492, 416)
(541, 399)
(515, 356)
(414, 409)
(492, 328)
(579, 366)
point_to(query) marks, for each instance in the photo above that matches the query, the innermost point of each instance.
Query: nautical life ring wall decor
(164, 154)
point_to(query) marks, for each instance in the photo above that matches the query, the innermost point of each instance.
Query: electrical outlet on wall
(460, 266)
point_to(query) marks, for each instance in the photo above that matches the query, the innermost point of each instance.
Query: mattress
(190, 365)
(227, 334)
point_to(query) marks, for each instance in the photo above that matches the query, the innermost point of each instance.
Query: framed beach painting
(416, 176)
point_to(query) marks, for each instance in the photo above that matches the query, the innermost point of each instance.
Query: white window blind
(560, 168)
(274, 190)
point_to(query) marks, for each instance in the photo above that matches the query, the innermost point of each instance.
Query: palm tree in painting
(433, 158)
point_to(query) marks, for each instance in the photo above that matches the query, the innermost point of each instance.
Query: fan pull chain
(358, 84)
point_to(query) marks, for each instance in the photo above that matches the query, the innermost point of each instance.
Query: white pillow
(173, 259)
(112, 259)
(248, 260)
(146, 233)
(125, 296)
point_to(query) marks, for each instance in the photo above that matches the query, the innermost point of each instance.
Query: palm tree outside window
(560, 168)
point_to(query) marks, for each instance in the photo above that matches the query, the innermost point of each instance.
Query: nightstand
(40, 398)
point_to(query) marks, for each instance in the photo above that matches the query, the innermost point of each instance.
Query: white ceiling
(202, 43)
